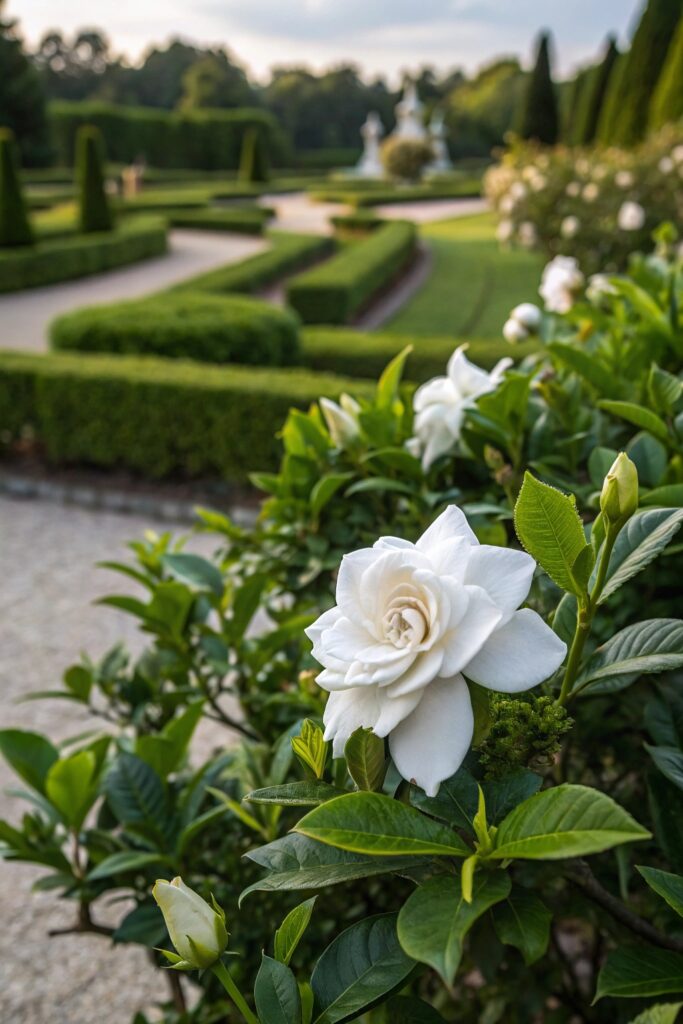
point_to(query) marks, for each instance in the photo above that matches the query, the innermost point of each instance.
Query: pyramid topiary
(588, 114)
(15, 228)
(95, 210)
(254, 157)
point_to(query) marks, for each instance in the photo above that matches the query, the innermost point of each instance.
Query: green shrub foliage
(630, 93)
(335, 291)
(94, 207)
(15, 229)
(667, 100)
(254, 156)
(590, 106)
(22, 96)
(184, 325)
(73, 256)
(247, 220)
(539, 119)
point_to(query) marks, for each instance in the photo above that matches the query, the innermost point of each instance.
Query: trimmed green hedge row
(362, 354)
(335, 291)
(209, 328)
(155, 417)
(288, 253)
(206, 139)
(377, 195)
(80, 255)
(246, 220)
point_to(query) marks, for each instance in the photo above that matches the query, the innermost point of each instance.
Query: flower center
(405, 622)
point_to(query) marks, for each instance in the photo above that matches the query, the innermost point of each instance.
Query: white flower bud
(341, 420)
(197, 930)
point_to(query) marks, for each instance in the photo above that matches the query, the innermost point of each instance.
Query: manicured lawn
(473, 285)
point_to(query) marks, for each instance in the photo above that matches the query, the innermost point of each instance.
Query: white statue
(410, 115)
(438, 132)
(370, 164)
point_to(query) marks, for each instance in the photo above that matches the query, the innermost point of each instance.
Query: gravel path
(47, 558)
(25, 316)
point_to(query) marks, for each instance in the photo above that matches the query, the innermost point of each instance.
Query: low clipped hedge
(155, 417)
(379, 194)
(79, 255)
(335, 291)
(362, 354)
(288, 253)
(245, 220)
(209, 328)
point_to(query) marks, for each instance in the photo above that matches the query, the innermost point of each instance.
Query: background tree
(159, 80)
(22, 99)
(667, 100)
(215, 81)
(15, 228)
(94, 208)
(625, 114)
(588, 114)
(405, 159)
(539, 118)
(76, 68)
(481, 110)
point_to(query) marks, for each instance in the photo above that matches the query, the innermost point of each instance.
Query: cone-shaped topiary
(630, 93)
(593, 98)
(15, 228)
(253, 157)
(539, 119)
(95, 211)
(572, 102)
(667, 100)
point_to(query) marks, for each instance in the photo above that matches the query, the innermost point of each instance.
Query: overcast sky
(381, 35)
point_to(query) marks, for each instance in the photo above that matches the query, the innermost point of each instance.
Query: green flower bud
(197, 930)
(619, 497)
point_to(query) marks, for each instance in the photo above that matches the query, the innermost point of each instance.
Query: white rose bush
(442, 676)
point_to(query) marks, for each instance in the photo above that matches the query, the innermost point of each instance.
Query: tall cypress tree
(667, 100)
(588, 113)
(15, 228)
(539, 114)
(574, 100)
(630, 93)
(95, 211)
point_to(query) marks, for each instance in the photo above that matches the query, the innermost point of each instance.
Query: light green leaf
(588, 367)
(290, 932)
(125, 860)
(566, 821)
(195, 570)
(295, 794)
(639, 971)
(655, 645)
(388, 384)
(669, 496)
(550, 529)
(362, 965)
(663, 1013)
(436, 917)
(70, 786)
(666, 885)
(645, 535)
(325, 489)
(523, 921)
(310, 747)
(365, 759)
(276, 993)
(376, 824)
(639, 416)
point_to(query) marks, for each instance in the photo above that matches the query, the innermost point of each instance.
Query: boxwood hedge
(335, 291)
(155, 417)
(209, 328)
(79, 255)
(245, 220)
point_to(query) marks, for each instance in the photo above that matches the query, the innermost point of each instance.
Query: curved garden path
(25, 315)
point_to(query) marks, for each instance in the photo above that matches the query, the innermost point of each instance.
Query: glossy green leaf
(125, 860)
(435, 919)
(566, 821)
(639, 416)
(70, 786)
(360, 966)
(523, 920)
(663, 1013)
(276, 993)
(409, 1010)
(455, 803)
(29, 754)
(309, 793)
(668, 496)
(310, 747)
(195, 570)
(666, 885)
(135, 792)
(503, 795)
(588, 367)
(390, 379)
(669, 760)
(655, 645)
(550, 529)
(637, 971)
(290, 932)
(645, 535)
(365, 759)
(375, 824)
(325, 489)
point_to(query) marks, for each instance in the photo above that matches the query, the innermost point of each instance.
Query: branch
(581, 875)
(84, 925)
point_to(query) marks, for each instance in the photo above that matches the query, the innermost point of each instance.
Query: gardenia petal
(470, 635)
(504, 573)
(520, 654)
(451, 523)
(348, 710)
(431, 743)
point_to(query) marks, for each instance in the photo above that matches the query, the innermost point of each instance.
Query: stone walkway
(47, 558)
(25, 316)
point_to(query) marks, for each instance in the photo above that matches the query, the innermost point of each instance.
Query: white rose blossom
(341, 419)
(561, 281)
(631, 216)
(591, 192)
(624, 179)
(570, 227)
(441, 403)
(411, 622)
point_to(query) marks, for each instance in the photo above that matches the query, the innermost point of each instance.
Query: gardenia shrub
(597, 205)
(482, 820)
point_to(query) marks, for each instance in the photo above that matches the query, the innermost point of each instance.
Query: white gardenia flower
(631, 216)
(624, 179)
(197, 930)
(341, 419)
(570, 227)
(591, 192)
(514, 332)
(441, 403)
(561, 281)
(523, 321)
(411, 621)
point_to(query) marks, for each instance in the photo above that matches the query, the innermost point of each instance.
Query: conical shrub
(539, 119)
(253, 157)
(94, 207)
(667, 101)
(588, 114)
(15, 228)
